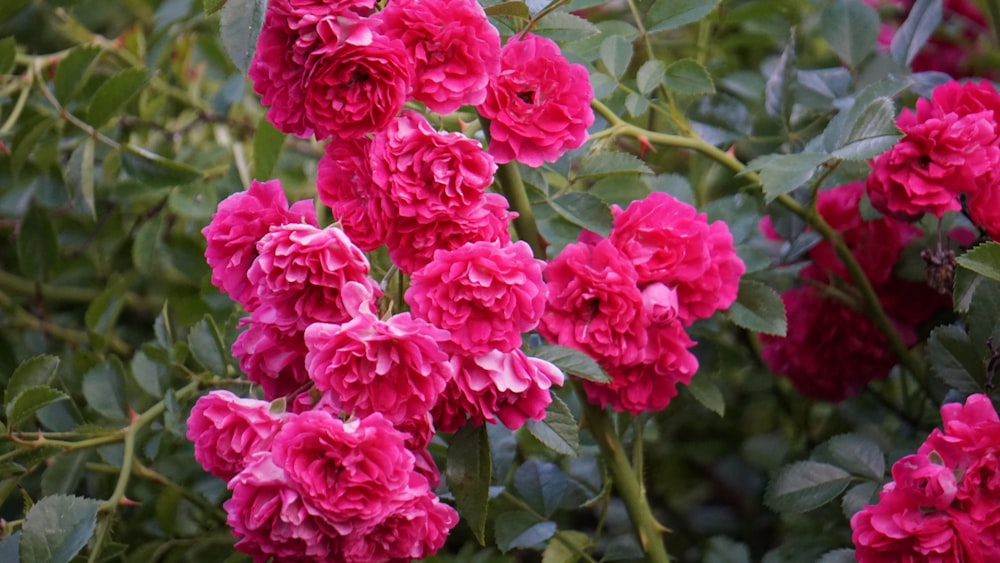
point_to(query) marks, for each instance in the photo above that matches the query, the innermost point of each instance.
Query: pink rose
(971, 430)
(240, 221)
(539, 104)
(455, 48)
(344, 183)
(660, 302)
(928, 484)
(669, 242)
(272, 356)
(505, 386)
(272, 519)
(984, 209)
(485, 293)
(394, 367)
(300, 272)
(595, 305)
(415, 530)
(227, 431)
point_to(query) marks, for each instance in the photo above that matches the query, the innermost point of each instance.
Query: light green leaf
(35, 371)
(616, 54)
(572, 361)
(558, 430)
(606, 163)
(564, 26)
(671, 14)
(851, 27)
(469, 470)
(212, 6)
(73, 72)
(57, 527)
(983, 260)
(267, 144)
(585, 210)
(559, 552)
(542, 485)
(24, 405)
(239, 27)
(207, 347)
(8, 54)
(37, 245)
(804, 486)
(80, 176)
(782, 173)
(521, 529)
(515, 9)
(687, 76)
(759, 308)
(846, 122)
(873, 133)
(154, 169)
(650, 75)
(954, 360)
(706, 392)
(923, 19)
(114, 93)
(636, 104)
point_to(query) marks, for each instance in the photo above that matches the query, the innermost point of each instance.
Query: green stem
(525, 225)
(18, 108)
(23, 286)
(25, 320)
(630, 488)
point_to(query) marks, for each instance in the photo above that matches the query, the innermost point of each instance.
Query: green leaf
(25, 140)
(966, 285)
(521, 529)
(782, 173)
(146, 245)
(154, 169)
(846, 122)
(873, 133)
(23, 407)
(10, 547)
(780, 85)
(104, 390)
(64, 473)
(954, 360)
(858, 454)
(923, 19)
(564, 26)
(858, 496)
(267, 144)
(558, 430)
(73, 71)
(671, 14)
(542, 485)
(239, 27)
(844, 555)
(518, 10)
(706, 392)
(572, 361)
(759, 308)
(983, 260)
(559, 552)
(616, 54)
(147, 374)
(37, 246)
(57, 527)
(636, 104)
(607, 163)
(851, 27)
(804, 486)
(103, 311)
(469, 471)
(687, 76)
(650, 76)
(8, 54)
(585, 210)
(212, 6)
(35, 371)
(984, 312)
(206, 346)
(721, 549)
(80, 176)
(114, 93)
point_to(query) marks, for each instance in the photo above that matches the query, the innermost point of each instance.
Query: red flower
(344, 183)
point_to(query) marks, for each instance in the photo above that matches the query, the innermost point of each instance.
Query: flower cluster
(832, 349)
(943, 503)
(625, 299)
(950, 151)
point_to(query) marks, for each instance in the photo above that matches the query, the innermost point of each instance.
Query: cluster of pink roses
(949, 156)
(832, 349)
(625, 300)
(943, 503)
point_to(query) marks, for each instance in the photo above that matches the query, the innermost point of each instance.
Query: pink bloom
(344, 183)
(227, 431)
(485, 293)
(415, 530)
(669, 242)
(970, 431)
(928, 484)
(240, 221)
(539, 104)
(660, 302)
(300, 272)
(454, 46)
(505, 386)
(651, 385)
(272, 356)
(984, 209)
(413, 240)
(271, 518)
(595, 305)
(394, 367)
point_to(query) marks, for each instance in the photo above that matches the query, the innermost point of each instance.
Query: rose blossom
(455, 48)
(594, 304)
(344, 183)
(272, 356)
(415, 530)
(485, 293)
(227, 430)
(984, 210)
(239, 222)
(539, 104)
(506, 386)
(395, 367)
(669, 242)
(300, 272)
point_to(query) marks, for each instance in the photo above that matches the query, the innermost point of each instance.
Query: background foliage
(123, 123)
